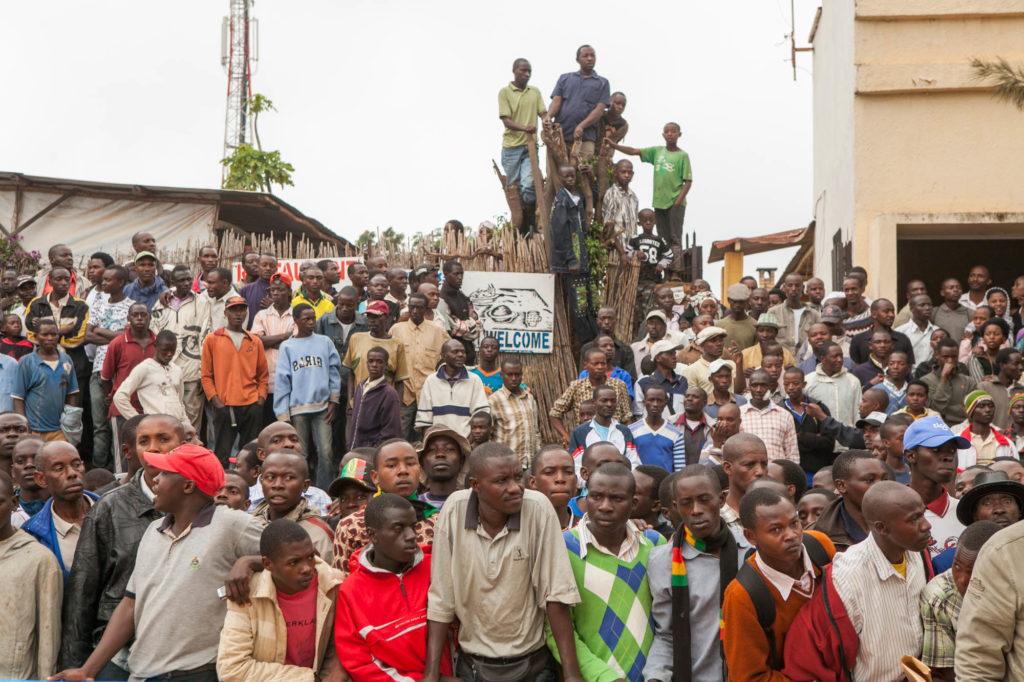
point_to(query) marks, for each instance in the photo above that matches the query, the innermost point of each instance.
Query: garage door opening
(933, 260)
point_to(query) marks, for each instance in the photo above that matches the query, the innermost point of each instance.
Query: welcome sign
(516, 308)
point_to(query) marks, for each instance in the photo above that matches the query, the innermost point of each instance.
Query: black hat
(986, 483)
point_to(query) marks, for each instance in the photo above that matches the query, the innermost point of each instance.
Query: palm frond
(1007, 79)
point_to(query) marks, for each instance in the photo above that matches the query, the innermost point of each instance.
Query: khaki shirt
(422, 353)
(499, 587)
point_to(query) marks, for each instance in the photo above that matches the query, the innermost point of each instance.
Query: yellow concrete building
(918, 168)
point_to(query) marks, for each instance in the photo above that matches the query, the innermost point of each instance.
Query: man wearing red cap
(171, 606)
(360, 343)
(235, 378)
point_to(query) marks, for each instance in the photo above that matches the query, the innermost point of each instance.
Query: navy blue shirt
(579, 97)
(254, 293)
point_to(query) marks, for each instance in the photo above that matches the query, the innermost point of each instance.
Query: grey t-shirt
(178, 615)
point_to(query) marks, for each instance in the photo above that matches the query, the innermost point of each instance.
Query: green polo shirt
(523, 107)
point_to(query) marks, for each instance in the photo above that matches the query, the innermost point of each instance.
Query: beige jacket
(990, 630)
(254, 638)
(309, 518)
(31, 591)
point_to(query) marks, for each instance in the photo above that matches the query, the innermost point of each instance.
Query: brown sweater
(746, 647)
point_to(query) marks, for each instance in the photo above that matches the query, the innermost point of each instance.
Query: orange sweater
(237, 377)
(746, 647)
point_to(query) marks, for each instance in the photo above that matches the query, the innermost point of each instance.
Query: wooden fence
(231, 245)
(547, 375)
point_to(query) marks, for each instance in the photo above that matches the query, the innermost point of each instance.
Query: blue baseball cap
(931, 432)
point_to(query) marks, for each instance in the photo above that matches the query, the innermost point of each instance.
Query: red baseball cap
(377, 308)
(194, 462)
(281, 276)
(236, 300)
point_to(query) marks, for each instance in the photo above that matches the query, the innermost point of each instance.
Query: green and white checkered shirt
(940, 610)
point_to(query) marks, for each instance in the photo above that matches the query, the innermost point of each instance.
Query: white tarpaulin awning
(88, 224)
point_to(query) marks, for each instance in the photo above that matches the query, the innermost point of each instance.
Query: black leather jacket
(104, 560)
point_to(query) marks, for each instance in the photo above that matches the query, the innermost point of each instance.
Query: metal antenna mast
(239, 39)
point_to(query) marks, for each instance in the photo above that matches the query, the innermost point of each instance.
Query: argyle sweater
(613, 618)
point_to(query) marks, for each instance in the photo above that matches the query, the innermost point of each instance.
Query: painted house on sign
(515, 308)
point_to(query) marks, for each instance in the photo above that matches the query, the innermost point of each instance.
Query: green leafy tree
(255, 169)
(389, 238)
(598, 254)
(367, 240)
(1007, 79)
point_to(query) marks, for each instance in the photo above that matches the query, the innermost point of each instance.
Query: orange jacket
(237, 377)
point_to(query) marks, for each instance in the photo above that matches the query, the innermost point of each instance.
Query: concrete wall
(834, 131)
(932, 145)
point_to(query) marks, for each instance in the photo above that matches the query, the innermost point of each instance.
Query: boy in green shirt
(672, 180)
(519, 105)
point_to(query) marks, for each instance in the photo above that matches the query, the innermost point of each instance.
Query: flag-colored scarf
(725, 544)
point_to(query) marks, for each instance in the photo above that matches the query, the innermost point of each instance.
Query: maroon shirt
(123, 354)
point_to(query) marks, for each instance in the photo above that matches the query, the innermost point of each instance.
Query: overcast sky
(388, 110)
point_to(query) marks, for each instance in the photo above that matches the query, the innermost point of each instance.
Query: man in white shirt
(218, 291)
(930, 448)
(794, 317)
(978, 281)
(919, 329)
(832, 385)
(157, 383)
(879, 582)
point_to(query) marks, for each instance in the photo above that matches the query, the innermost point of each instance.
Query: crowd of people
(348, 480)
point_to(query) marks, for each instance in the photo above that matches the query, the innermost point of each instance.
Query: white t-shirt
(797, 314)
(946, 528)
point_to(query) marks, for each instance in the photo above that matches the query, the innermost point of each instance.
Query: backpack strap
(761, 596)
(816, 551)
(764, 605)
(826, 581)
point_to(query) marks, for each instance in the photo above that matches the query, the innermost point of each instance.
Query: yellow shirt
(321, 306)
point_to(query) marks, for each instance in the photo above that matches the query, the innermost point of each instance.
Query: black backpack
(761, 596)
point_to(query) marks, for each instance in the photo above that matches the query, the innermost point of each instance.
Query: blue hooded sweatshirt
(308, 376)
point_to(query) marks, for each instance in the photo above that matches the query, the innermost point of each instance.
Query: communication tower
(239, 41)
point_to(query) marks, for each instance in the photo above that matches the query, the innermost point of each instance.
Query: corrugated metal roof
(245, 210)
(766, 242)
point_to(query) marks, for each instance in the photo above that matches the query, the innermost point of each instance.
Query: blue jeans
(312, 430)
(516, 162)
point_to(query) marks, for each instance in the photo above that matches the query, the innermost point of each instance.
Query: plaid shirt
(940, 610)
(582, 390)
(515, 422)
(622, 208)
(774, 426)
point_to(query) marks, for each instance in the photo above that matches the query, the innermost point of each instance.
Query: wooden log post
(543, 206)
(515, 204)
